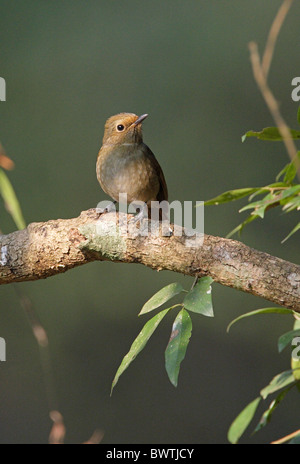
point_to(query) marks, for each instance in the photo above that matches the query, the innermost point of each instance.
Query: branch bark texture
(45, 249)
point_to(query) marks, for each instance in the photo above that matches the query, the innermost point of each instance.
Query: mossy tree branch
(45, 249)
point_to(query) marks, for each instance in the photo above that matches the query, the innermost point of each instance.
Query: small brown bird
(126, 165)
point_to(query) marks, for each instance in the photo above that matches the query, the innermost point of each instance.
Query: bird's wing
(163, 189)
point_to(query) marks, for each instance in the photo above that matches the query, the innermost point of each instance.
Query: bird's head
(123, 128)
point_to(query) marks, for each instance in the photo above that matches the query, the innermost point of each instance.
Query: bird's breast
(127, 169)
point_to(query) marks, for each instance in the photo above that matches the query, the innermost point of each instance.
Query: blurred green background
(68, 66)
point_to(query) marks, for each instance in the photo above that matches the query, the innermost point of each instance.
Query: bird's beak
(139, 120)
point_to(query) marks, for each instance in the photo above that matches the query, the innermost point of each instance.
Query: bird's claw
(108, 209)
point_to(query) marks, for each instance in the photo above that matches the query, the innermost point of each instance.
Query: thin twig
(271, 101)
(273, 34)
(286, 438)
(260, 72)
(273, 105)
(43, 344)
(195, 282)
(41, 338)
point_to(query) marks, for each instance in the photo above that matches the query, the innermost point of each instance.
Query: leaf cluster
(197, 300)
(280, 385)
(284, 192)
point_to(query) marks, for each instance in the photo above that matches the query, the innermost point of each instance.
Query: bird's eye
(120, 127)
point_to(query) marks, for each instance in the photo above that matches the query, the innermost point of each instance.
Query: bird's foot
(107, 209)
(139, 217)
(166, 230)
(141, 213)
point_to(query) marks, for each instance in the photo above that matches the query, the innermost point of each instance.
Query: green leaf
(138, 344)
(290, 170)
(298, 115)
(295, 189)
(176, 349)
(11, 201)
(283, 171)
(287, 338)
(261, 205)
(270, 134)
(277, 383)
(261, 311)
(242, 421)
(231, 195)
(161, 297)
(266, 189)
(241, 226)
(291, 204)
(295, 229)
(290, 173)
(266, 417)
(199, 298)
